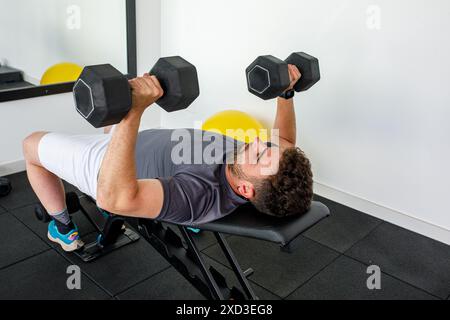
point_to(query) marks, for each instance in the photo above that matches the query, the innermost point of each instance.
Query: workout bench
(182, 252)
(246, 221)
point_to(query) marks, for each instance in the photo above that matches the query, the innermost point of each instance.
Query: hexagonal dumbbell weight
(103, 95)
(268, 76)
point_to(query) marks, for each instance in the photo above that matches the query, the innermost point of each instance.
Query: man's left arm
(285, 121)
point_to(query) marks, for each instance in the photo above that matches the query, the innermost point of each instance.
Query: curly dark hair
(290, 191)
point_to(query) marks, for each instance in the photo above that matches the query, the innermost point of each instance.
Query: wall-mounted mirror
(45, 44)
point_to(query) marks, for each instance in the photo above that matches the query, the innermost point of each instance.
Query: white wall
(38, 34)
(376, 126)
(57, 113)
(148, 20)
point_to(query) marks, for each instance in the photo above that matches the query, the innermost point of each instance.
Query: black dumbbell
(5, 187)
(42, 214)
(72, 203)
(268, 77)
(103, 96)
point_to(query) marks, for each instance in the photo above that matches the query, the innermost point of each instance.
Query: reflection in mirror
(49, 41)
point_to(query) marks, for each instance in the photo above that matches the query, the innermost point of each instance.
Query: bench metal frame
(111, 236)
(189, 262)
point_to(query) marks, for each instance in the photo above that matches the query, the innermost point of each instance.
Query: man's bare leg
(50, 191)
(47, 186)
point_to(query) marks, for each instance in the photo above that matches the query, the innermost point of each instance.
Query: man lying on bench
(138, 174)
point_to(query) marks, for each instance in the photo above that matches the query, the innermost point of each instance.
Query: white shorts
(74, 158)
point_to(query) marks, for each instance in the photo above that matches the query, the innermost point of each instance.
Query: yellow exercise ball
(61, 72)
(237, 125)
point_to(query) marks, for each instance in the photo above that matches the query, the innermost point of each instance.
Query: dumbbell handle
(308, 79)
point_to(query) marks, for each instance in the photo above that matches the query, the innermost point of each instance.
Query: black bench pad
(246, 221)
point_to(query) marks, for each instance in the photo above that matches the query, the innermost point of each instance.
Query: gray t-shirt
(191, 167)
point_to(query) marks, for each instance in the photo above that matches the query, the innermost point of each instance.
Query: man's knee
(30, 146)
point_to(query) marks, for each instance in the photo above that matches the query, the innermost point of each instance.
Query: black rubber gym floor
(331, 262)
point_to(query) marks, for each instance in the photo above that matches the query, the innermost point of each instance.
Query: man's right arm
(118, 190)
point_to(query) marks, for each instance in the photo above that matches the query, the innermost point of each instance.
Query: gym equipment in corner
(268, 76)
(11, 78)
(103, 95)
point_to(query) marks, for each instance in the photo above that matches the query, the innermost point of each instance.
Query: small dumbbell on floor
(5, 187)
(103, 95)
(72, 203)
(268, 76)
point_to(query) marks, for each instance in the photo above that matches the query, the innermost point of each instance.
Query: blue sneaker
(194, 230)
(69, 242)
(104, 213)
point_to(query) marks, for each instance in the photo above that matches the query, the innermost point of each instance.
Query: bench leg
(211, 282)
(241, 275)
